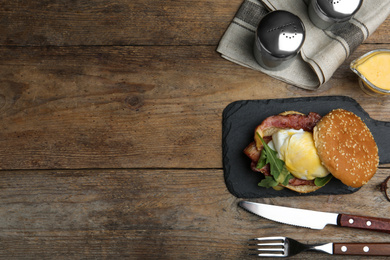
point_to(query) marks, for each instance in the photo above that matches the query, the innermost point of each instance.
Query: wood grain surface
(110, 134)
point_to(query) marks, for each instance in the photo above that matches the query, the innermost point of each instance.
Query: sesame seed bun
(346, 147)
(301, 188)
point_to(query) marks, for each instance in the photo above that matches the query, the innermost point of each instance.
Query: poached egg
(296, 148)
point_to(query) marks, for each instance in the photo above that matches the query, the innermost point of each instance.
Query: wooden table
(111, 132)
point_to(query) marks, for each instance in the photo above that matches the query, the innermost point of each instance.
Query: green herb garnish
(322, 181)
(278, 170)
(262, 160)
(268, 182)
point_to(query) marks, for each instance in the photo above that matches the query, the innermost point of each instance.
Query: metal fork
(284, 247)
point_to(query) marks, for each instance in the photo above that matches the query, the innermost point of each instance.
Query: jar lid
(338, 10)
(281, 34)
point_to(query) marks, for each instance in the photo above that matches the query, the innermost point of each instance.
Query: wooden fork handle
(372, 249)
(369, 223)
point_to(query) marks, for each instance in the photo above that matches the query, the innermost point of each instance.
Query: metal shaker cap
(336, 10)
(279, 37)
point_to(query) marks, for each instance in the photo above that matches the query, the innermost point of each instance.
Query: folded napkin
(323, 50)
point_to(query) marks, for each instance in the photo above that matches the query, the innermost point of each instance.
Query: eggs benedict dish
(296, 148)
(303, 152)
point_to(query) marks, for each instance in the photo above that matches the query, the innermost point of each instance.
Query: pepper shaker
(325, 13)
(278, 39)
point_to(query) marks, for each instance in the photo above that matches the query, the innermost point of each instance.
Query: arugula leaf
(275, 163)
(262, 160)
(288, 177)
(322, 181)
(278, 170)
(268, 182)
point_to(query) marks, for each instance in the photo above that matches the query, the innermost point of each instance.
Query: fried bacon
(252, 152)
(293, 121)
(297, 182)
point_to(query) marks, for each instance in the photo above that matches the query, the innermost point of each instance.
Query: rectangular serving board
(240, 119)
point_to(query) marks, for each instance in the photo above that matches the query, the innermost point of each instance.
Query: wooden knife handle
(369, 223)
(377, 249)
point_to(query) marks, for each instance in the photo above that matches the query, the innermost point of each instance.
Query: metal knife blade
(292, 216)
(315, 219)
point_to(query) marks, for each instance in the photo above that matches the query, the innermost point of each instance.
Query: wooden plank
(136, 22)
(149, 214)
(131, 107)
(381, 35)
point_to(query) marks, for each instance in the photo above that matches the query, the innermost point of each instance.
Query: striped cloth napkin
(323, 51)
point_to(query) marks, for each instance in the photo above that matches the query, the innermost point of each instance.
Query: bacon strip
(294, 121)
(297, 182)
(291, 121)
(252, 152)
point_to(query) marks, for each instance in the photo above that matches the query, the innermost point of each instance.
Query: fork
(284, 247)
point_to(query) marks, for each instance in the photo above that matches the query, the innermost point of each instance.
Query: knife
(315, 219)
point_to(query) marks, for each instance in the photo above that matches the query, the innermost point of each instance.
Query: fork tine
(268, 249)
(268, 238)
(268, 246)
(267, 241)
(268, 255)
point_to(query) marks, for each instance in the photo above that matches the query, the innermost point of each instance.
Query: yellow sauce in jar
(376, 69)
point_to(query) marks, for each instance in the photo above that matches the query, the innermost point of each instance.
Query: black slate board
(240, 119)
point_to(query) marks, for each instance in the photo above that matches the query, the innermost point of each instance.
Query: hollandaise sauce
(296, 148)
(373, 69)
(376, 69)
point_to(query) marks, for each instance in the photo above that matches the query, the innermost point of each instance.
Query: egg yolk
(296, 148)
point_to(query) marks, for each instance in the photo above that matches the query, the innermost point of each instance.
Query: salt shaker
(325, 13)
(279, 38)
